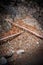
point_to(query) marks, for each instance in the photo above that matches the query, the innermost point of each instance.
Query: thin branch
(11, 36)
(28, 28)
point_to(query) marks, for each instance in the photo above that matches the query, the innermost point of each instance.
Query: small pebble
(38, 43)
(20, 51)
(3, 61)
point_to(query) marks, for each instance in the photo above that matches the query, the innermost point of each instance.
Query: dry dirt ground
(27, 49)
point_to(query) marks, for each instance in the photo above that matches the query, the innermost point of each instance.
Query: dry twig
(28, 28)
(10, 36)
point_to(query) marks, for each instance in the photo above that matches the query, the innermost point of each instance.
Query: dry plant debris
(18, 27)
(10, 34)
(32, 29)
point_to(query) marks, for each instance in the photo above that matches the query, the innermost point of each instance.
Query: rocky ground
(27, 49)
